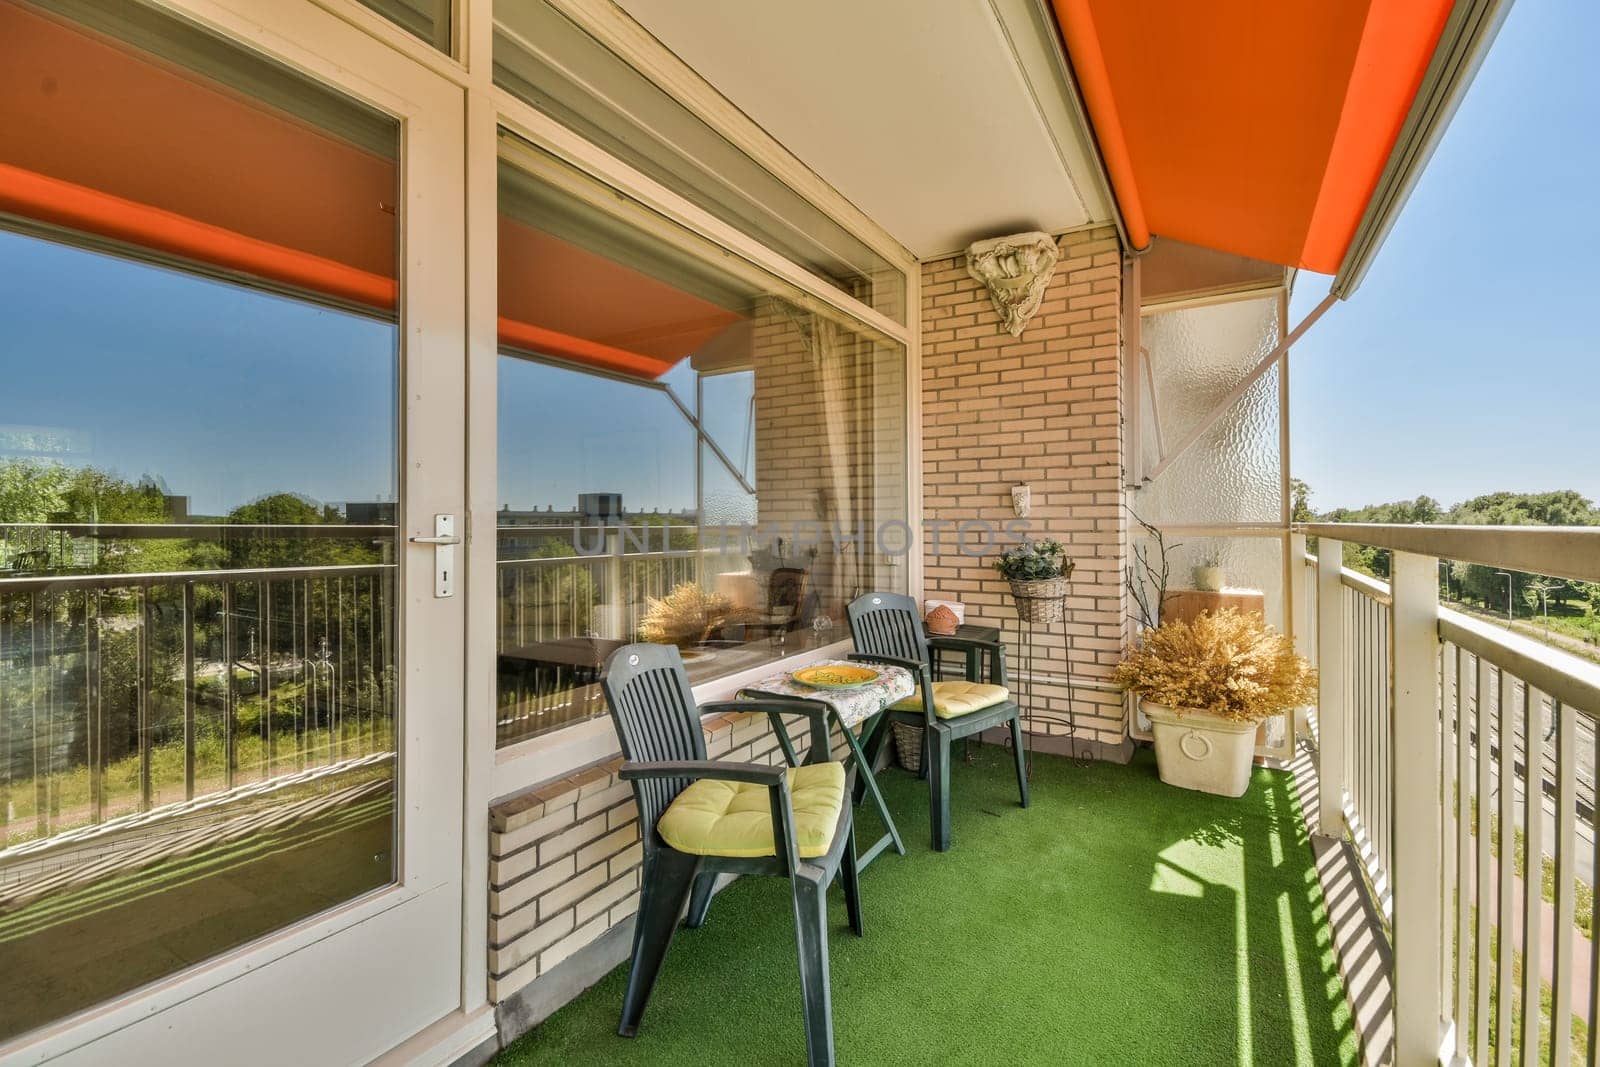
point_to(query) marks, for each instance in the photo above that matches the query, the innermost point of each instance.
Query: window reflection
(687, 455)
(197, 503)
(427, 19)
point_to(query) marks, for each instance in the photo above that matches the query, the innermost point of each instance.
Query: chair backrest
(887, 624)
(786, 588)
(656, 717)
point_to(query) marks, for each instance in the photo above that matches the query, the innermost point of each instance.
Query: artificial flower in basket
(1206, 685)
(1038, 573)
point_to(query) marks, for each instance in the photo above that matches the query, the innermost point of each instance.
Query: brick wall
(1046, 410)
(795, 418)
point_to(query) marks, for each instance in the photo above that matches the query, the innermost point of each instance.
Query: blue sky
(1468, 361)
(224, 393)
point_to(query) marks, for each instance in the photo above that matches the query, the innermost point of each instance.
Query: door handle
(444, 542)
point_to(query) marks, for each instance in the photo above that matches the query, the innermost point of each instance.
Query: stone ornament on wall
(1015, 270)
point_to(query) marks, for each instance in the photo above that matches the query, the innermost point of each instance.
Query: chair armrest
(722, 770)
(759, 700)
(775, 706)
(918, 669)
(776, 779)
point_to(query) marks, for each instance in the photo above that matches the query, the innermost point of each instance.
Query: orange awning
(103, 139)
(1258, 127)
(560, 299)
(77, 207)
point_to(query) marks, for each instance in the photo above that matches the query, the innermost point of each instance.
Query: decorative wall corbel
(1015, 270)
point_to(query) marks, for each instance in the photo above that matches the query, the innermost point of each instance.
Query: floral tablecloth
(852, 706)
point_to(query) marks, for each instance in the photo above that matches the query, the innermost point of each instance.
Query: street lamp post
(1543, 587)
(1506, 575)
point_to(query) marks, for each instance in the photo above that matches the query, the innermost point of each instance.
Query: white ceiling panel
(944, 120)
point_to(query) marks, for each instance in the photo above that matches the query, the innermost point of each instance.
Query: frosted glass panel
(1231, 474)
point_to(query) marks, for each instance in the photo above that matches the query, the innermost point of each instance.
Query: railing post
(611, 595)
(1416, 809)
(1333, 708)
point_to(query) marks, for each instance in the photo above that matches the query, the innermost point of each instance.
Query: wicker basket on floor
(908, 745)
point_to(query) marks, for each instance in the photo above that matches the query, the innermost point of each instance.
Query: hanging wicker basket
(1040, 600)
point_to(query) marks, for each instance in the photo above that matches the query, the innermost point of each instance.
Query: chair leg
(927, 754)
(850, 882)
(700, 899)
(668, 876)
(1021, 757)
(939, 788)
(872, 745)
(811, 933)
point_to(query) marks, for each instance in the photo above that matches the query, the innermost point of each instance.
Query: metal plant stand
(1023, 686)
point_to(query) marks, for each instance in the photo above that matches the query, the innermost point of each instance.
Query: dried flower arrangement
(684, 617)
(1228, 663)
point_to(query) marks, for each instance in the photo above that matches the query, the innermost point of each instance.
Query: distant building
(598, 508)
(370, 513)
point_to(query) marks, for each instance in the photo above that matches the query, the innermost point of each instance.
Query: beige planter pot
(1207, 579)
(1198, 750)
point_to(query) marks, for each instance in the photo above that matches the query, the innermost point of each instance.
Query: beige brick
(609, 845)
(580, 937)
(605, 798)
(572, 839)
(570, 891)
(503, 958)
(505, 899)
(600, 901)
(552, 821)
(628, 858)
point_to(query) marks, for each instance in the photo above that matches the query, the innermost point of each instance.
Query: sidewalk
(1581, 946)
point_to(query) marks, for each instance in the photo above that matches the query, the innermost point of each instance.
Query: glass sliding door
(201, 505)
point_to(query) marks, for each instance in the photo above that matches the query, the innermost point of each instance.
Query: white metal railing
(1459, 758)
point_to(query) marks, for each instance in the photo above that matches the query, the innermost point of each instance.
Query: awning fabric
(1258, 127)
(560, 299)
(105, 140)
(82, 109)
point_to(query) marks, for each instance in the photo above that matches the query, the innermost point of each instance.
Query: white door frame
(351, 983)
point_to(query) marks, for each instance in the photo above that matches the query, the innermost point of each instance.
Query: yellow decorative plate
(835, 677)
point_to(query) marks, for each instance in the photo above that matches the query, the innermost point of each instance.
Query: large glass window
(427, 19)
(543, 57)
(690, 452)
(198, 492)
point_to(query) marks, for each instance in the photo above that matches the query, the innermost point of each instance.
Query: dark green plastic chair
(887, 629)
(665, 749)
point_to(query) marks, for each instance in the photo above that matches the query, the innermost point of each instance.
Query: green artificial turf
(1117, 920)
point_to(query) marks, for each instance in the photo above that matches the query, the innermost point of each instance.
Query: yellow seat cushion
(718, 818)
(951, 700)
